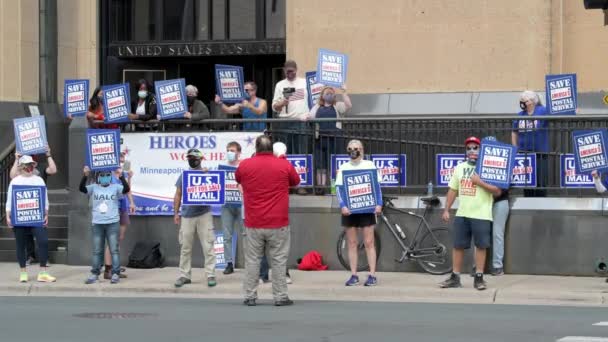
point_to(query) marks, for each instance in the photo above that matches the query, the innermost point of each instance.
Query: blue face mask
(231, 156)
(247, 96)
(104, 180)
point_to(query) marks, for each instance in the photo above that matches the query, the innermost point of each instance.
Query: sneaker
(288, 279)
(29, 261)
(91, 279)
(479, 283)
(451, 282)
(249, 302)
(354, 280)
(473, 271)
(45, 277)
(229, 269)
(211, 282)
(371, 281)
(498, 271)
(107, 275)
(115, 279)
(284, 302)
(23, 277)
(181, 281)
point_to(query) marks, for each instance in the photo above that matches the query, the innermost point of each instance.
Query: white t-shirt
(298, 102)
(25, 180)
(141, 109)
(363, 165)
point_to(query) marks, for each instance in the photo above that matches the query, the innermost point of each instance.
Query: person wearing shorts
(473, 217)
(353, 223)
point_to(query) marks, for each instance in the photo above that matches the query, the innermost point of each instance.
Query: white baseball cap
(279, 149)
(26, 160)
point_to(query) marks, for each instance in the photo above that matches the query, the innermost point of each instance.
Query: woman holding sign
(353, 222)
(95, 113)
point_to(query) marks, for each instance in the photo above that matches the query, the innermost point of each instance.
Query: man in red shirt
(266, 180)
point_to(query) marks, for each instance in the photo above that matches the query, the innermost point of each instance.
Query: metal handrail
(8, 150)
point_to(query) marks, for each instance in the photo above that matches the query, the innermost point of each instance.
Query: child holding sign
(27, 177)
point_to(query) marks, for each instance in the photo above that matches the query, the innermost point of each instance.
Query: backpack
(146, 254)
(312, 261)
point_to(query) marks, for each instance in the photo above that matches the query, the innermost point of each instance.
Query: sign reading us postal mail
(75, 97)
(495, 163)
(103, 149)
(561, 93)
(28, 205)
(361, 190)
(392, 169)
(569, 178)
(590, 150)
(445, 165)
(314, 89)
(303, 165)
(171, 102)
(30, 135)
(116, 103)
(336, 161)
(524, 171)
(232, 195)
(203, 188)
(331, 68)
(229, 83)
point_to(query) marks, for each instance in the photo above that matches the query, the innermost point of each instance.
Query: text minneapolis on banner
(30, 135)
(590, 150)
(229, 83)
(495, 163)
(103, 149)
(203, 188)
(331, 68)
(232, 195)
(360, 190)
(569, 178)
(171, 102)
(561, 93)
(303, 165)
(314, 89)
(75, 97)
(116, 103)
(28, 205)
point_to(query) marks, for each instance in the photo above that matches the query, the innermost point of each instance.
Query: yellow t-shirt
(474, 201)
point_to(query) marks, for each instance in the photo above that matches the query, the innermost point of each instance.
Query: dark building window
(133, 20)
(275, 19)
(178, 19)
(242, 18)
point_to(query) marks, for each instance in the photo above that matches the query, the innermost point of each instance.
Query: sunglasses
(290, 71)
(352, 149)
(472, 148)
(248, 90)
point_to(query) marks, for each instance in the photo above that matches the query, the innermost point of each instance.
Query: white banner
(157, 160)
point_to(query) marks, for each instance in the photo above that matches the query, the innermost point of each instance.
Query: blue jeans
(101, 233)
(500, 212)
(232, 223)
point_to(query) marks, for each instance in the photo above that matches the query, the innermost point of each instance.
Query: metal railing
(7, 158)
(420, 138)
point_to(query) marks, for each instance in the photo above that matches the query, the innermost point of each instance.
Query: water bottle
(429, 189)
(400, 231)
(333, 187)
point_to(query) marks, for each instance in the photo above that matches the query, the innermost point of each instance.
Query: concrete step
(8, 244)
(58, 196)
(53, 233)
(55, 257)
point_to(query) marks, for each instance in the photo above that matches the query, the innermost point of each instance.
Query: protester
(104, 199)
(26, 176)
(144, 108)
(500, 214)
(195, 219)
(265, 180)
(232, 221)
(531, 135)
(326, 137)
(96, 113)
(44, 171)
(600, 181)
(473, 217)
(196, 108)
(252, 107)
(353, 222)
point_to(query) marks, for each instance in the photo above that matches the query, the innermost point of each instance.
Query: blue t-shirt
(532, 133)
(124, 201)
(191, 210)
(327, 112)
(105, 202)
(249, 114)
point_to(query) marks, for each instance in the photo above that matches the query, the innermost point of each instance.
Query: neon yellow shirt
(473, 201)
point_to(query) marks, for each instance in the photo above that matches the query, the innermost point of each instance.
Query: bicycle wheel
(362, 263)
(439, 259)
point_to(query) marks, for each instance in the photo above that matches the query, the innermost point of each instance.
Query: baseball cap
(26, 160)
(194, 152)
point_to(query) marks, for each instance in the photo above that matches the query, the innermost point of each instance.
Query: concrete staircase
(57, 231)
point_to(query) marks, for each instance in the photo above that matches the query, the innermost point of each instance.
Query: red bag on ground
(312, 261)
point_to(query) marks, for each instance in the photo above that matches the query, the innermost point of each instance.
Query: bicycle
(432, 251)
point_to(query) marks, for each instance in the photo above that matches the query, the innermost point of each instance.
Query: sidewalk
(323, 285)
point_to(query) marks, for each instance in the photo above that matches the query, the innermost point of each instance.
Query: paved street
(57, 319)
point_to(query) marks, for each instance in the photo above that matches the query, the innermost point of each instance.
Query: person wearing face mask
(326, 138)
(194, 219)
(232, 221)
(95, 113)
(196, 108)
(531, 135)
(144, 108)
(473, 217)
(353, 223)
(104, 198)
(252, 107)
(27, 177)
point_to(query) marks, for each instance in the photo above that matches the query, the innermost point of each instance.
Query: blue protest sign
(336, 161)
(171, 98)
(303, 165)
(203, 188)
(229, 83)
(392, 169)
(524, 171)
(116, 103)
(30, 135)
(561, 93)
(314, 89)
(28, 205)
(331, 68)
(232, 195)
(360, 190)
(569, 178)
(220, 252)
(444, 167)
(495, 163)
(590, 150)
(75, 97)
(103, 149)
